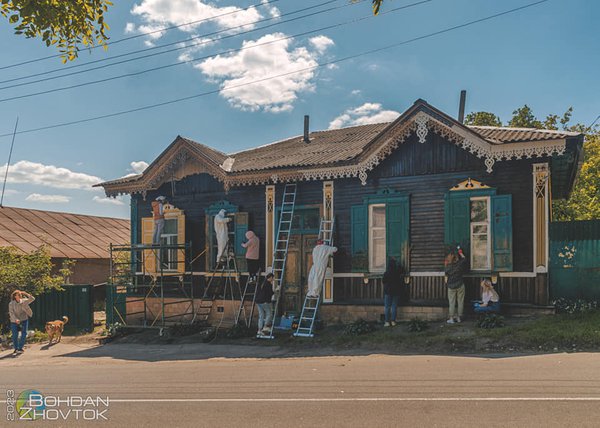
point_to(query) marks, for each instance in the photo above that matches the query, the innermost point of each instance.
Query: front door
(299, 261)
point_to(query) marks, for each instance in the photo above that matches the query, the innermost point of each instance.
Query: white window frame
(171, 254)
(489, 233)
(371, 229)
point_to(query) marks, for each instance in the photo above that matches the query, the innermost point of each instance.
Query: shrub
(490, 321)
(187, 329)
(238, 331)
(416, 325)
(575, 306)
(359, 327)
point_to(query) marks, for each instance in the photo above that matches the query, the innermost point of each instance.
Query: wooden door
(299, 261)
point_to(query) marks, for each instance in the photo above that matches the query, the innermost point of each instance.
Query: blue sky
(547, 56)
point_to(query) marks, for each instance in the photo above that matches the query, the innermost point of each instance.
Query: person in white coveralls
(316, 276)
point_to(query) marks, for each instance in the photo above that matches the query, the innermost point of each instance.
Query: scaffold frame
(141, 272)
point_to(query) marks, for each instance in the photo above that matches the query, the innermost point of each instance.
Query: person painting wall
(221, 233)
(316, 276)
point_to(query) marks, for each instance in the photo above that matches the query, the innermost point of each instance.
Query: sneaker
(450, 321)
(458, 319)
(266, 331)
(20, 351)
(387, 324)
(393, 323)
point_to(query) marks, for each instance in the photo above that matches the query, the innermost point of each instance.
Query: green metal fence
(74, 301)
(575, 259)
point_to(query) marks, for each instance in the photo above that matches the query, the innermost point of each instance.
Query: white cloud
(363, 115)
(48, 199)
(49, 176)
(129, 28)
(157, 14)
(321, 43)
(356, 92)
(138, 166)
(108, 201)
(273, 95)
(9, 192)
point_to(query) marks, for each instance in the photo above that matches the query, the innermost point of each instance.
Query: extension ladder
(310, 308)
(286, 216)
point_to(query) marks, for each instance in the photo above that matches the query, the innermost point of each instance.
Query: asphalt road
(211, 385)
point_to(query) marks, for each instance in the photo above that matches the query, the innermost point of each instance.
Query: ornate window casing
(328, 214)
(269, 224)
(541, 216)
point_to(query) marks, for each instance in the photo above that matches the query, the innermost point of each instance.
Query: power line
(162, 67)
(179, 42)
(325, 64)
(161, 30)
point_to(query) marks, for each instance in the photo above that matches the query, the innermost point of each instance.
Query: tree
(524, 118)
(31, 272)
(482, 118)
(65, 23)
(584, 202)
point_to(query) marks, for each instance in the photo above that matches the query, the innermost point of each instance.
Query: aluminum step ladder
(249, 295)
(280, 252)
(306, 324)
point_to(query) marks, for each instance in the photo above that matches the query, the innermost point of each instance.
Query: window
(377, 253)
(480, 233)
(481, 222)
(168, 257)
(380, 229)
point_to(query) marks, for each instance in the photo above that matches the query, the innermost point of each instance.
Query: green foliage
(31, 272)
(524, 118)
(179, 330)
(238, 331)
(417, 325)
(66, 24)
(359, 327)
(575, 306)
(584, 202)
(482, 118)
(490, 321)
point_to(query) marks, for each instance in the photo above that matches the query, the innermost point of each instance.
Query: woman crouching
(490, 301)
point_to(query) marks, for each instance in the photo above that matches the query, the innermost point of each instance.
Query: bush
(359, 327)
(187, 329)
(575, 306)
(490, 321)
(417, 325)
(238, 331)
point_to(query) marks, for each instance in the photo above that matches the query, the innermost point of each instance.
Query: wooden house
(408, 189)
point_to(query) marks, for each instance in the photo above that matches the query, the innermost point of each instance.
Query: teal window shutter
(502, 254)
(240, 229)
(397, 217)
(457, 219)
(360, 234)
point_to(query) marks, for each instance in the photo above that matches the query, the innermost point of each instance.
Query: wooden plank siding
(424, 172)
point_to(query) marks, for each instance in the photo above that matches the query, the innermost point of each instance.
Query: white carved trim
(421, 120)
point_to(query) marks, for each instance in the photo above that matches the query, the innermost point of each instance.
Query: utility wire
(325, 64)
(202, 41)
(12, 144)
(161, 30)
(162, 67)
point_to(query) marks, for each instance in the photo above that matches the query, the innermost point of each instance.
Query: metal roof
(67, 235)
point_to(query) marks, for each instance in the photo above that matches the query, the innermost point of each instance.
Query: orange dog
(55, 329)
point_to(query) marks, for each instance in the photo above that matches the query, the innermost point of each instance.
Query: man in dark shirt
(455, 267)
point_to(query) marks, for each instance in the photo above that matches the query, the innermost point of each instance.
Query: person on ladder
(222, 233)
(252, 246)
(158, 214)
(264, 296)
(316, 276)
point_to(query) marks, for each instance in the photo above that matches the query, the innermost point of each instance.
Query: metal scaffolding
(145, 281)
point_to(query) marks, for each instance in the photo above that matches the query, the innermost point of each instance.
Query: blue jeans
(390, 304)
(491, 307)
(159, 225)
(264, 315)
(19, 342)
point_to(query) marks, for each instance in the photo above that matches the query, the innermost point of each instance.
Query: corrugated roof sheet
(74, 236)
(519, 135)
(336, 145)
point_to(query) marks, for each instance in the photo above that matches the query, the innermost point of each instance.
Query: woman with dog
(19, 313)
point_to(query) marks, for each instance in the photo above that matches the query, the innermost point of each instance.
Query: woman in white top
(490, 301)
(19, 313)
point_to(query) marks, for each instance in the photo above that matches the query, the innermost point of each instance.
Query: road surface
(245, 386)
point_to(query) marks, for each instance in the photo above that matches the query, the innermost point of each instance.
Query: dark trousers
(253, 266)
